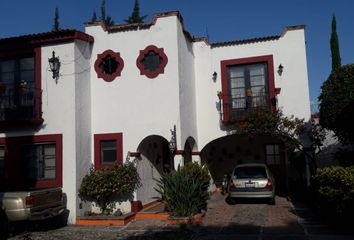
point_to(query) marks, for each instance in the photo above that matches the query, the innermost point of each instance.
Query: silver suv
(253, 180)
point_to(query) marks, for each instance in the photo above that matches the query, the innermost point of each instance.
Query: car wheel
(271, 201)
(3, 226)
(61, 220)
(230, 200)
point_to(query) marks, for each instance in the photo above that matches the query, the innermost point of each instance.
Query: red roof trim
(61, 36)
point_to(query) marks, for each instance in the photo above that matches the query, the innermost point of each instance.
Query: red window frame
(225, 64)
(13, 156)
(37, 55)
(143, 53)
(117, 73)
(98, 138)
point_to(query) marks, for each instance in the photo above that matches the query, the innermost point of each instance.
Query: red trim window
(108, 149)
(33, 161)
(20, 88)
(152, 61)
(247, 86)
(109, 65)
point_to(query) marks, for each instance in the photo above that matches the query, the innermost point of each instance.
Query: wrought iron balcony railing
(19, 107)
(238, 107)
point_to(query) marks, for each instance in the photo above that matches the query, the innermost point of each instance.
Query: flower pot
(178, 220)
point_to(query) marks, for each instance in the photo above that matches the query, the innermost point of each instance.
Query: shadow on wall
(223, 154)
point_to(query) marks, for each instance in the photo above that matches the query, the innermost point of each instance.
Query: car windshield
(250, 172)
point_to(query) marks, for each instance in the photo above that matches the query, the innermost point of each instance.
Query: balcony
(236, 108)
(18, 108)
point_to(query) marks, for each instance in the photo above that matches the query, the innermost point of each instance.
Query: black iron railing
(19, 106)
(240, 107)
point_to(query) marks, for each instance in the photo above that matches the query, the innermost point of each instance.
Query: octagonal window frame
(160, 70)
(100, 59)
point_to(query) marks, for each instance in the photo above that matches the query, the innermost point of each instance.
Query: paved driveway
(246, 220)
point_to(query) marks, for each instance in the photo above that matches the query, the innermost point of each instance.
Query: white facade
(82, 105)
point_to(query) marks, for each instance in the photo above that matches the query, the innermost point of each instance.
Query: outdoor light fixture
(280, 69)
(172, 144)
(54, 65)
(215, 75)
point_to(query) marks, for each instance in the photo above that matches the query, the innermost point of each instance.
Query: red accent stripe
(134, 154)
(179, 152)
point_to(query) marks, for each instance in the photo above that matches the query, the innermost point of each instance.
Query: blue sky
(224, 20)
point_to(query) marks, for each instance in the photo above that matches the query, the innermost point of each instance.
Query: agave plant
(185, 192)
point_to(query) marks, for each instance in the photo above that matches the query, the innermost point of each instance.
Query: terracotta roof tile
(245, 41)
(63, 35)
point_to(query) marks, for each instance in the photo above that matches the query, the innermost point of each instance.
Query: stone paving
(243, 221)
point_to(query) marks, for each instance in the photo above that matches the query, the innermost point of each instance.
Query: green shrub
(109, 185)
(185, 192)
(335, 189)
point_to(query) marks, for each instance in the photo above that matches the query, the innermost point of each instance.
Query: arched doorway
(154, 158)
(189, 146)
(223, 154)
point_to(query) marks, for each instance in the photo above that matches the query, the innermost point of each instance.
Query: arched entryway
(189, 146)
(223, 154)
(154, 158)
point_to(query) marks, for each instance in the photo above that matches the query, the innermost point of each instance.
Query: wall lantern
(172, 144)
(54, 65)
(215, 75)
(280, 69)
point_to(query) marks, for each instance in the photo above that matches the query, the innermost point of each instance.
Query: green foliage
(335, 188)
(135, 17)
(94, 17)
(295, 133)
(336, 61)
(103, 10)
(107, 20)
(109, 185)
(337, 102)
(288, 129)
(56, 20)
(185, 192)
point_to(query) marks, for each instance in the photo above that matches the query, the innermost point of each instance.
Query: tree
(135, 17)
(107, 20)
(337, 102)
(294, 132)
(94, 17)
(336, 61)
(56, 20)
(103, 10)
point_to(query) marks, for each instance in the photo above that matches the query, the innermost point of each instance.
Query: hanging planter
(23, 87)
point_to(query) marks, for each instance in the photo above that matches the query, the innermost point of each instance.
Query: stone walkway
(245, 220)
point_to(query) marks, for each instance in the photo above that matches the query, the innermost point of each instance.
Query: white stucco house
(122, 89)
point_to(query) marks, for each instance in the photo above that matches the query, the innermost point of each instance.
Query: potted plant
(23, 86)
(185, 193)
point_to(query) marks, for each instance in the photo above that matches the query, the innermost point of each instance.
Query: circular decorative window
(109, 65)
(151, 61)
